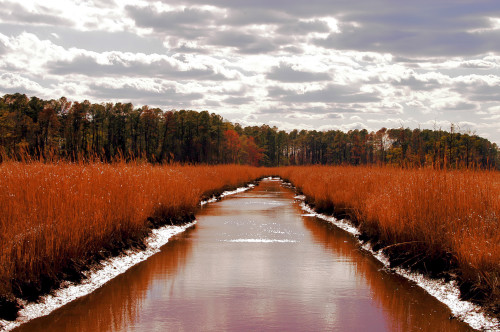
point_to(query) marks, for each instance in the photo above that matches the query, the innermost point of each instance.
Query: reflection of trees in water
(116, 305)
(407, 307)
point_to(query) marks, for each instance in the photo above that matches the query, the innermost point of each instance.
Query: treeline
(82, 130)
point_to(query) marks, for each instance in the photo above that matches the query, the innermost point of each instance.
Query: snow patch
(341, 223)
(227, 193)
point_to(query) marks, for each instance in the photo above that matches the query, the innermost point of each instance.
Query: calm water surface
(253, 262)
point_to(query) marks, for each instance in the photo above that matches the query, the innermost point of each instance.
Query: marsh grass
(57, 218)
(436, 221)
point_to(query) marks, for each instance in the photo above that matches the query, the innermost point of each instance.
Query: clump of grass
(56, 218)
(431, 220)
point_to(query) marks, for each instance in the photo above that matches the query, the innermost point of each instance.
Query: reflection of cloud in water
(261, 240)
(264, 202)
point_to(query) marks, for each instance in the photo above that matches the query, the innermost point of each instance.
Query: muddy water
(253, 262)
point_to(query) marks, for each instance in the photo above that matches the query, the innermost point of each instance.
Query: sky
(315, 64)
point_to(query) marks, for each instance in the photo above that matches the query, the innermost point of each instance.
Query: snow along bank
(95, 278)
(446, 292)
(104, 272)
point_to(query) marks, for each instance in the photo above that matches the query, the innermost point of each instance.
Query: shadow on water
(254, 263)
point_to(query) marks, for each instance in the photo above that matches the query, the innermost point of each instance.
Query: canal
(254, 261)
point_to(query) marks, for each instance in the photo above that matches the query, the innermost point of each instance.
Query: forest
(54, 129)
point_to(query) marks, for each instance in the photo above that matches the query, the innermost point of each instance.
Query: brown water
(254, 263)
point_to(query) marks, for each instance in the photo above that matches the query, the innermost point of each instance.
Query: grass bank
(58, 219)
(441, 223)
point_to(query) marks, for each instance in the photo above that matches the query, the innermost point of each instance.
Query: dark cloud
(332, 93)
(188, 23)
(238, 100)
(103, 41)
(423, 28)
(328, 112)
(248, 16)
(97, 41)
(273, 110)
(104, 3)
(422, 43)
(168, 96)
(86, 65)
(417, 84)
(414, 60)
(292, 7)
(478, 91)
(486, 94)
(462, 106)
(334, 116)
(14, 12)
(285, 73)
(304, 27)
(211, 103)
(477, 65)
(187, 49)
(245, 43)
(276, 91)
(441, 29)
(292, 49)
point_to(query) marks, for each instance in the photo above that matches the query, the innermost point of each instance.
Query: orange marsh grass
(54, 214)
(443, 213)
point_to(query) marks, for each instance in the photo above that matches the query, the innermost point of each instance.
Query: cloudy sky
(315, 64)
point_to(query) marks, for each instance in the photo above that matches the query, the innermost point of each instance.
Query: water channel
(255, 262)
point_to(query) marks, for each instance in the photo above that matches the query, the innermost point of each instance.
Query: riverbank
(439, 224)
(445, 290)
(58, 221)
(94, 277)
(101, 272)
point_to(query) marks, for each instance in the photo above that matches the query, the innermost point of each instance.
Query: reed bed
(432, 220)
(57, 218)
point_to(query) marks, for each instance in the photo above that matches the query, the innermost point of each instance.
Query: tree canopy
(84, 130)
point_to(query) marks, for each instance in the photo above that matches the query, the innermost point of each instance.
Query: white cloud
(317, 65)
(14, 82)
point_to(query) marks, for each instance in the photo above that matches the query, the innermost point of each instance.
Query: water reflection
(407, 306)
(116, 305)
(254, 263)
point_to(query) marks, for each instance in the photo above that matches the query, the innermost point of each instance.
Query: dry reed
(55, 216)
(448, 218)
